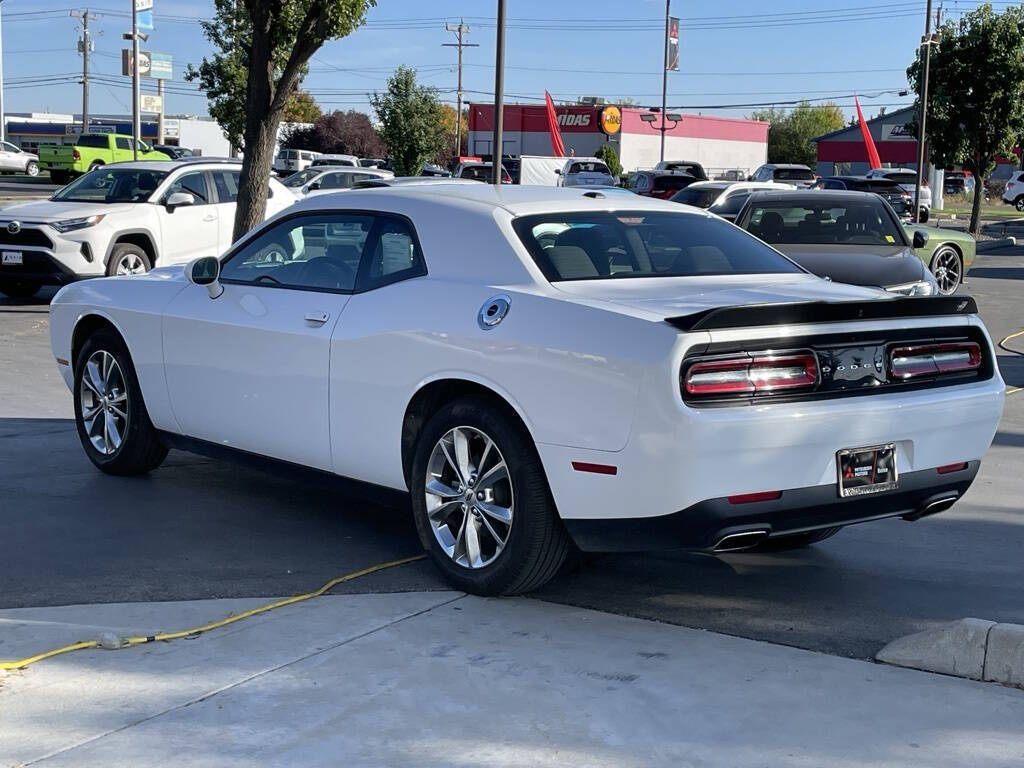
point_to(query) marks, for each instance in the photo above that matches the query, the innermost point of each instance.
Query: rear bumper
(703, 525)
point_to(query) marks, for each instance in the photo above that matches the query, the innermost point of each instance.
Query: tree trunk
(979, 193)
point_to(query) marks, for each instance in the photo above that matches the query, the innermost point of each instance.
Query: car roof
(804, 197)
(171, 165)
(788, 165)
(712, 184)
(514, 198)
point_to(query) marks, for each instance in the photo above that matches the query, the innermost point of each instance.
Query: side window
(316, 252)
(123, 143)
(194, 183)
(834, 185)
(335, 181)
(226, 183)
(7, 147)
(394, 255)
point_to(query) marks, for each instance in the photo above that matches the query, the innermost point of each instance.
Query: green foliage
(411, 122)
(610, 157)
(790, 134)
(975, 92)
(301, 107)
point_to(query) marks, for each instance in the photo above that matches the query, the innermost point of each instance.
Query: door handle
(211, 217)
(317, 317)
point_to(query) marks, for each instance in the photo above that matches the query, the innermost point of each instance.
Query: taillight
(911, 362)
(748, 375)
(75, 155)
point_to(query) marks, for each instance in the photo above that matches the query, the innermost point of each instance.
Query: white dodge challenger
(540, 368)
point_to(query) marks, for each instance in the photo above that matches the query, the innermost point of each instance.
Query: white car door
(225, 184)
(188, 231)
(250, 369)
(10, 158)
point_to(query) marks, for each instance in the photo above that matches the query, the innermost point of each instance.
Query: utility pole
(664, 79)
(160, 117)
(85, 46)
(499, 98)
(3, 119)
(926, 41)
(136, 126)
(459, 31)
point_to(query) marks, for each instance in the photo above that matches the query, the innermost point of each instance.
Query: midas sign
(611, 120)
(579, 119)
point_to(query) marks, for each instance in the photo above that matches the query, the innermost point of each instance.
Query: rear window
(731, 205)
(691, 168)
(589, 168)
(93, 140)
(902, 178)
(663, 183)
(702, 197)
(793, 174)
(880, 185)
(622, 244)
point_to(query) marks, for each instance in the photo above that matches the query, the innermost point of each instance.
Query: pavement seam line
(243, 681)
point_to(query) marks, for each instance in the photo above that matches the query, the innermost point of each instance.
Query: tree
(263, 48)
(345, 133)
(411, 122)
(975, 93)
(448, 149)
(790, 134)
(610, 157)
(301, 107)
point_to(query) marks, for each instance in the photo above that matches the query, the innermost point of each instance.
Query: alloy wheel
(104, 401)
(947, 270)
(469, 497)
(130, 264)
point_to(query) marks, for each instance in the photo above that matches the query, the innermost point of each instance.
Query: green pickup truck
(65, 161)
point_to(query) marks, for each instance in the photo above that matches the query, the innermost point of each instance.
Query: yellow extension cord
(127, 642)
(1002, 345)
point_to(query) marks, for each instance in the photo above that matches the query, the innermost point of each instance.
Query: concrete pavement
(442, 679)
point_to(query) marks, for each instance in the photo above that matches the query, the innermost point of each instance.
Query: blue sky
(734, 52)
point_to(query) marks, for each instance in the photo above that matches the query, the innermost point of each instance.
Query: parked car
(435, 170)
(907, 178)
(481, 172)
(1013, 193)
(289, 161)
(661, 184)
(732, 174)
(349, 161)
(373, 162)
(320, 178)
(123, 219)
(16, 160)
(798, 175)
(958, 182)
(90, 151)
(173, 152)
(848, 237)
(406, 181)
(691, 167)
(722, 198)
(534, 396)
(584, 171)
(895, 195)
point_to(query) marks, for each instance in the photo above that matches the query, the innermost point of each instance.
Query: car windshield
(589, 167)
(112, 185)
(300, 178)
(702, 197)
(93, 140)
(864, 222)
(793, 174)
(619, 244)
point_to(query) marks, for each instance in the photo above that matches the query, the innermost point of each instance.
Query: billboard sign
(672, 65)
(150, 102)
(143, 5)
(144, 20)
(126, 63)
(611, 120)
(160, 66)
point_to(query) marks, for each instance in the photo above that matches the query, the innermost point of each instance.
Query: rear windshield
(589, 168)
(864, 222)
(902, 178)
(691, 168)
(92, 140)
(662, 183)
(702, 197)
(793, 174)
(879, 185)
(619, 244)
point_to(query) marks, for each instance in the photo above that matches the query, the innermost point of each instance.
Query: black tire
(537, 543)
(922, 217)
(127, 250)
(140, 450)
(60, 177)
(32, 168)
(796, 541)
(20, 289)
(1019, 203)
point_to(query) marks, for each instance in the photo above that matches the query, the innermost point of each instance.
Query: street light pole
(499, 99)
(664, 79)
(3, 118)
(926, 41)
(136, 127)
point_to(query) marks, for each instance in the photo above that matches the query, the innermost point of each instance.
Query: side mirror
(205, 271)
(314, 186)
(558, 172)
(176, 199)
(920, 239)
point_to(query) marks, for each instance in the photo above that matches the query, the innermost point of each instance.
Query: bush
(610, 157)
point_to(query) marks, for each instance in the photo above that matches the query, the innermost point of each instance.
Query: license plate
(11, 257)
(867, 470)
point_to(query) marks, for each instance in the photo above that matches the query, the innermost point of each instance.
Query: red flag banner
(557, 147)
(865, 132)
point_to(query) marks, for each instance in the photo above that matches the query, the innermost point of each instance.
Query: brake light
(748, 375)
(912, 362)
(75, 155)
(945, 469)
(748, 498)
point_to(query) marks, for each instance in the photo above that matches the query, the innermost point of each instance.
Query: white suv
(122, 219)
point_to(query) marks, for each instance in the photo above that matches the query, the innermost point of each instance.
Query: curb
(993, 245)
(972, 648)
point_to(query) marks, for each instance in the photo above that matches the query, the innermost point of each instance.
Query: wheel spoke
(461, 440)
(493, 475)
(440, 513)
(472, 542)
(120, 397)
(88, 415)
(106, 433)
(112, 433)
(93, 378)
(451, 461)
(459, 550)
(483, 459)
(490, 529)
(122, 414)
(504, 514)
(436, 488)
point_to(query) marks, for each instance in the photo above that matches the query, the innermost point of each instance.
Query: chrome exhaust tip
(736, 542)
(932, 508)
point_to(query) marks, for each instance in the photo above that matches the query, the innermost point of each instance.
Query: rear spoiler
(799, 313)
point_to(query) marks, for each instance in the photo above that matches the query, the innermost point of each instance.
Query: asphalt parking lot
(199, 528)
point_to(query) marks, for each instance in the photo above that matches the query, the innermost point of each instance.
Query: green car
(91, 150)
(948, 253)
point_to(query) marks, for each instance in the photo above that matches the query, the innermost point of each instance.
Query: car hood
(665, 297)
(858, 264)
(54, 210)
